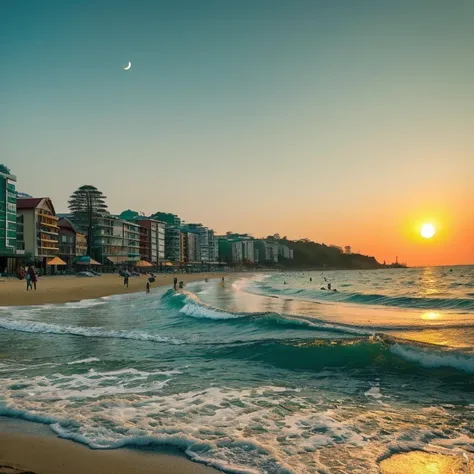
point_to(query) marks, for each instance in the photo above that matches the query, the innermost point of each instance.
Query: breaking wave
(465, 304)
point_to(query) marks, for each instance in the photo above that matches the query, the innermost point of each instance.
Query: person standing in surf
(33, 277)
(28, 279)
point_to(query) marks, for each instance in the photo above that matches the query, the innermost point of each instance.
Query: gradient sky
(346, 122)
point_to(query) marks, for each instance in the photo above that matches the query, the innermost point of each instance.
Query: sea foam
(434, 359)
(48, 328)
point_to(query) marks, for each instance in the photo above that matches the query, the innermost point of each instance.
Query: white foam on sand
(267, 429)
(264, 429)
(374, 392)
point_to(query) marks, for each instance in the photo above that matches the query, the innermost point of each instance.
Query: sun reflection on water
(430, 315)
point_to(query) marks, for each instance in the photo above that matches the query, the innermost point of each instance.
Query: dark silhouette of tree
(87, 204)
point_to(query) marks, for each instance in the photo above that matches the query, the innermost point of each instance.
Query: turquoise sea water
(267, 373)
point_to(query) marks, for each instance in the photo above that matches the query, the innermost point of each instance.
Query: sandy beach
(65, 289)
(32, 448)
(26, 454)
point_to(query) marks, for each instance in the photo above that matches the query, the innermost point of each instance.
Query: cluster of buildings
(32, 232)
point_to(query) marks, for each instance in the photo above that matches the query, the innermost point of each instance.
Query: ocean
(265, 373)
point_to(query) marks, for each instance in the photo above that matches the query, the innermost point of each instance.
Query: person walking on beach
(148, 287)
(28, 279)
(175, 283)
(125, 281)
(33, 277)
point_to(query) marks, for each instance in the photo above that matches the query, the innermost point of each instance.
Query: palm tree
(87, 204)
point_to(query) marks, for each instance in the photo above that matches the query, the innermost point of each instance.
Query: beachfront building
(230, 251)
(225, 249)
(213, 247)
(130, 233)
(104, 243)
(189, 247)
(173, 252)
(248, 251)
(40, 231)
(147, 253)
(152, 240)
(116, 241)
(237, 248)
(285, 252)
(203, 247)
(268, 251)
(8, 228)
(167, 218)
(72, 243)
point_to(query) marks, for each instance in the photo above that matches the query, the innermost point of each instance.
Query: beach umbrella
(143, 263)
(56, 261)
(86, 260)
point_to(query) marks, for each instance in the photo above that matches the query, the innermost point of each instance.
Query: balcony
(66, 250)
(49, 246)
(46, 238)
(49, 224)
(48, 230)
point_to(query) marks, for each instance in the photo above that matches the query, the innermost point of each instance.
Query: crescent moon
(126, 68)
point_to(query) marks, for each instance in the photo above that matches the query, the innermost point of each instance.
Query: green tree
(87, 205)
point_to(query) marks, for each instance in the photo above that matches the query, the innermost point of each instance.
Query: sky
(348, 123)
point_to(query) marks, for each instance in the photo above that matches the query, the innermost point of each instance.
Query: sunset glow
(308, 121)
(427, 231)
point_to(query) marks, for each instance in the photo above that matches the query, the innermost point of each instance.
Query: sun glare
(430, 315)
(427, 231)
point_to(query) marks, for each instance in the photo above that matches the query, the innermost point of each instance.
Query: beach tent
(143, 263)
(86, 261)
(56, 261)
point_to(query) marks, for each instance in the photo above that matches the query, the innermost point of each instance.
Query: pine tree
(87, 204)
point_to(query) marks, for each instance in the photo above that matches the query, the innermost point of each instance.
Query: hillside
(308, 254)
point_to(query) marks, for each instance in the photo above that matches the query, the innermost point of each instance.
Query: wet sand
(20, 453)
(65, 289)
(418, 462)
(33, 448)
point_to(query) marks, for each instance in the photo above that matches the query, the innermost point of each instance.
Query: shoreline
(32, 448)
(70, 289)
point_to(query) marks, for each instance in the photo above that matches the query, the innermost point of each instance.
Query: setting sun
(427, 231)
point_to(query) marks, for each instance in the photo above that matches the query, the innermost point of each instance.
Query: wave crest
(48, 328)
